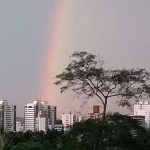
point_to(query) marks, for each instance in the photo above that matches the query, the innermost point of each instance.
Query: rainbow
(55, 40)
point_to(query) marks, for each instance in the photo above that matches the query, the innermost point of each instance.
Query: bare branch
(111, 90)
(96, 94)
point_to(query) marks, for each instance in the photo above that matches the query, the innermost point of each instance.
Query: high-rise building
(142, 108)
(7, 116)
(39, 115)
(68, 120)
(53, 116)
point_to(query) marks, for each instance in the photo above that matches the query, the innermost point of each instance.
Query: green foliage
(117, 132)
(86, 75)
(5, 141)
(49, 139)
(29, 146)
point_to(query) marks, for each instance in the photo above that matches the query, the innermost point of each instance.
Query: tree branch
(111, 90)
(96, 93)
(96, 87)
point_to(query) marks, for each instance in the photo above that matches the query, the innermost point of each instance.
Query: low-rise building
(140, 119)
(19, 126)
(58, 125)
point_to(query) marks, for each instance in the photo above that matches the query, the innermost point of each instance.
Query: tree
(28, 146)
(49, 138)
(5, 141)
(86, 75)
(116, 132)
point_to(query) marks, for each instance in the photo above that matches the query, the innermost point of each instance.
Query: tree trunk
(105, 108)
(103, 118)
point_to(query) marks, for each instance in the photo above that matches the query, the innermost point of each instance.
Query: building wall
(140, 120)
(30, 111)
(37, 110)
(52, 112)
(42, 124)
(58, 127)
(11, 117)
(7, 116)
(96, 109)
(68, 120)
(18, 126)
(143, 109)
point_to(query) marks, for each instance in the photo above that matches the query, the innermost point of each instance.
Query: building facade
(68, 120)
(140, 120)
(142, 108)
(95, 114)
(7, 116)
(58, 125)
(19, 126)
(96, 109)
(39, 115)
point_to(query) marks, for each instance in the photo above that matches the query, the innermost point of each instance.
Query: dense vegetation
(117, 132)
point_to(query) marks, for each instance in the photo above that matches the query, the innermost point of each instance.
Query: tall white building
(7, 116)
(39, 115)
(142, 108)
(68, 120)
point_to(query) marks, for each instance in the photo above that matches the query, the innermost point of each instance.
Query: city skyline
(37, 38)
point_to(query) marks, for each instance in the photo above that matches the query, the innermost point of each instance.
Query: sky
(37, 37)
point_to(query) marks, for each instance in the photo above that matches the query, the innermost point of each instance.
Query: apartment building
(140, 120)
(39, 115)
(142, 108)
(7, 116)
(95, 114)
(68, 119)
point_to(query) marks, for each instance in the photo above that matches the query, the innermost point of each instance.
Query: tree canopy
(29, 146)
(87, 75)
(117, 132)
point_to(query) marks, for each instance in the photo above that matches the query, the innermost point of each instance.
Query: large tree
(86, 74)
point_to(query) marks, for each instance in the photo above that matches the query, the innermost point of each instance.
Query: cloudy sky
(37, 37)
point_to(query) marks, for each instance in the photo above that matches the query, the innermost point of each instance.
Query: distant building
(81, 118)
(7, 116)
(53, 115)
(96, 109)
(140, 119)
(19, 126)
(68, 120)
(42, 124)
(39, 115)
(142, 108)
(95, 114)
(58, 125)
